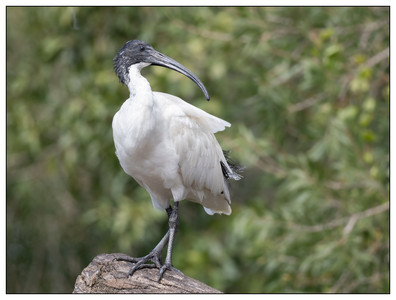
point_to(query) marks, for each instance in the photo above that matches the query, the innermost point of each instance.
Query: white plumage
(168, 146)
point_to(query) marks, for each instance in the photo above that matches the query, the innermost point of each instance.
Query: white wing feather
(191, 131)
(207, 121)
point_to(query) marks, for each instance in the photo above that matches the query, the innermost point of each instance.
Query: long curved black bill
(159, 59)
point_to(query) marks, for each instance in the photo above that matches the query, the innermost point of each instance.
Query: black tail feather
(234, 166)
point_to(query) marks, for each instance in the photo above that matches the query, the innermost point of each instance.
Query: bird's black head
(136, 51)
(131, 53)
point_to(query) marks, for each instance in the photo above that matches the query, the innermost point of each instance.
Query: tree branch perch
(105, 275)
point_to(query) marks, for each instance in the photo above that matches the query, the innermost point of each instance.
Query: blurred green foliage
(307, 92)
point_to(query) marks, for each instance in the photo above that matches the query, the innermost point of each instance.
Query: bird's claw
(164, 268)
(125, 258)
(142, 262)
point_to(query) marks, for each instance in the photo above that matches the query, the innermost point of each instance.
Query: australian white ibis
(168, 146)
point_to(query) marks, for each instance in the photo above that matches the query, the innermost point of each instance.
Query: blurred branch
(344, 284)
(371, 62)
(305, 103)
(350, 220)
(350, 286)
(285, 77)
(364, 26)
(380, 56)
(343, 278)
(266, 163)
(370, 183)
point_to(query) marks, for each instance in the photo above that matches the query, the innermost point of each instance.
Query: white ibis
(168, 146)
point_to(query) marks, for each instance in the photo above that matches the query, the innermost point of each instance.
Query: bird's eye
(142, 48)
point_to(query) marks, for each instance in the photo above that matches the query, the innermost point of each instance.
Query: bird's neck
(139, 87)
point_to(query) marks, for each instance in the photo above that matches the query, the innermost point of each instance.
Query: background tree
(307, 92)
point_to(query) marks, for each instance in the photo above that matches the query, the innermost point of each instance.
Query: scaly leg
(155, 255)
(173, 224)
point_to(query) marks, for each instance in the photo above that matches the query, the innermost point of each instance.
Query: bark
(105, 275)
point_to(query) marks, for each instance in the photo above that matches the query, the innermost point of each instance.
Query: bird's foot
(155, 255)
(165, 267)
(142, 262)
(151, 260)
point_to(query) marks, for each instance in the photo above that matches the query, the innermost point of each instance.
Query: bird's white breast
(142, 149)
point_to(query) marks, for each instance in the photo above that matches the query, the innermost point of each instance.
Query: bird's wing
(209, 121)
(191, 131)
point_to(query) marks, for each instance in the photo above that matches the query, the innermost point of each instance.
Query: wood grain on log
(105, 275)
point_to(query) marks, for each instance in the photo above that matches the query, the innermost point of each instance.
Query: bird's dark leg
(173, 224)
(155, 255)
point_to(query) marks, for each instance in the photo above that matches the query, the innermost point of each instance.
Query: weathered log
(106, 275)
